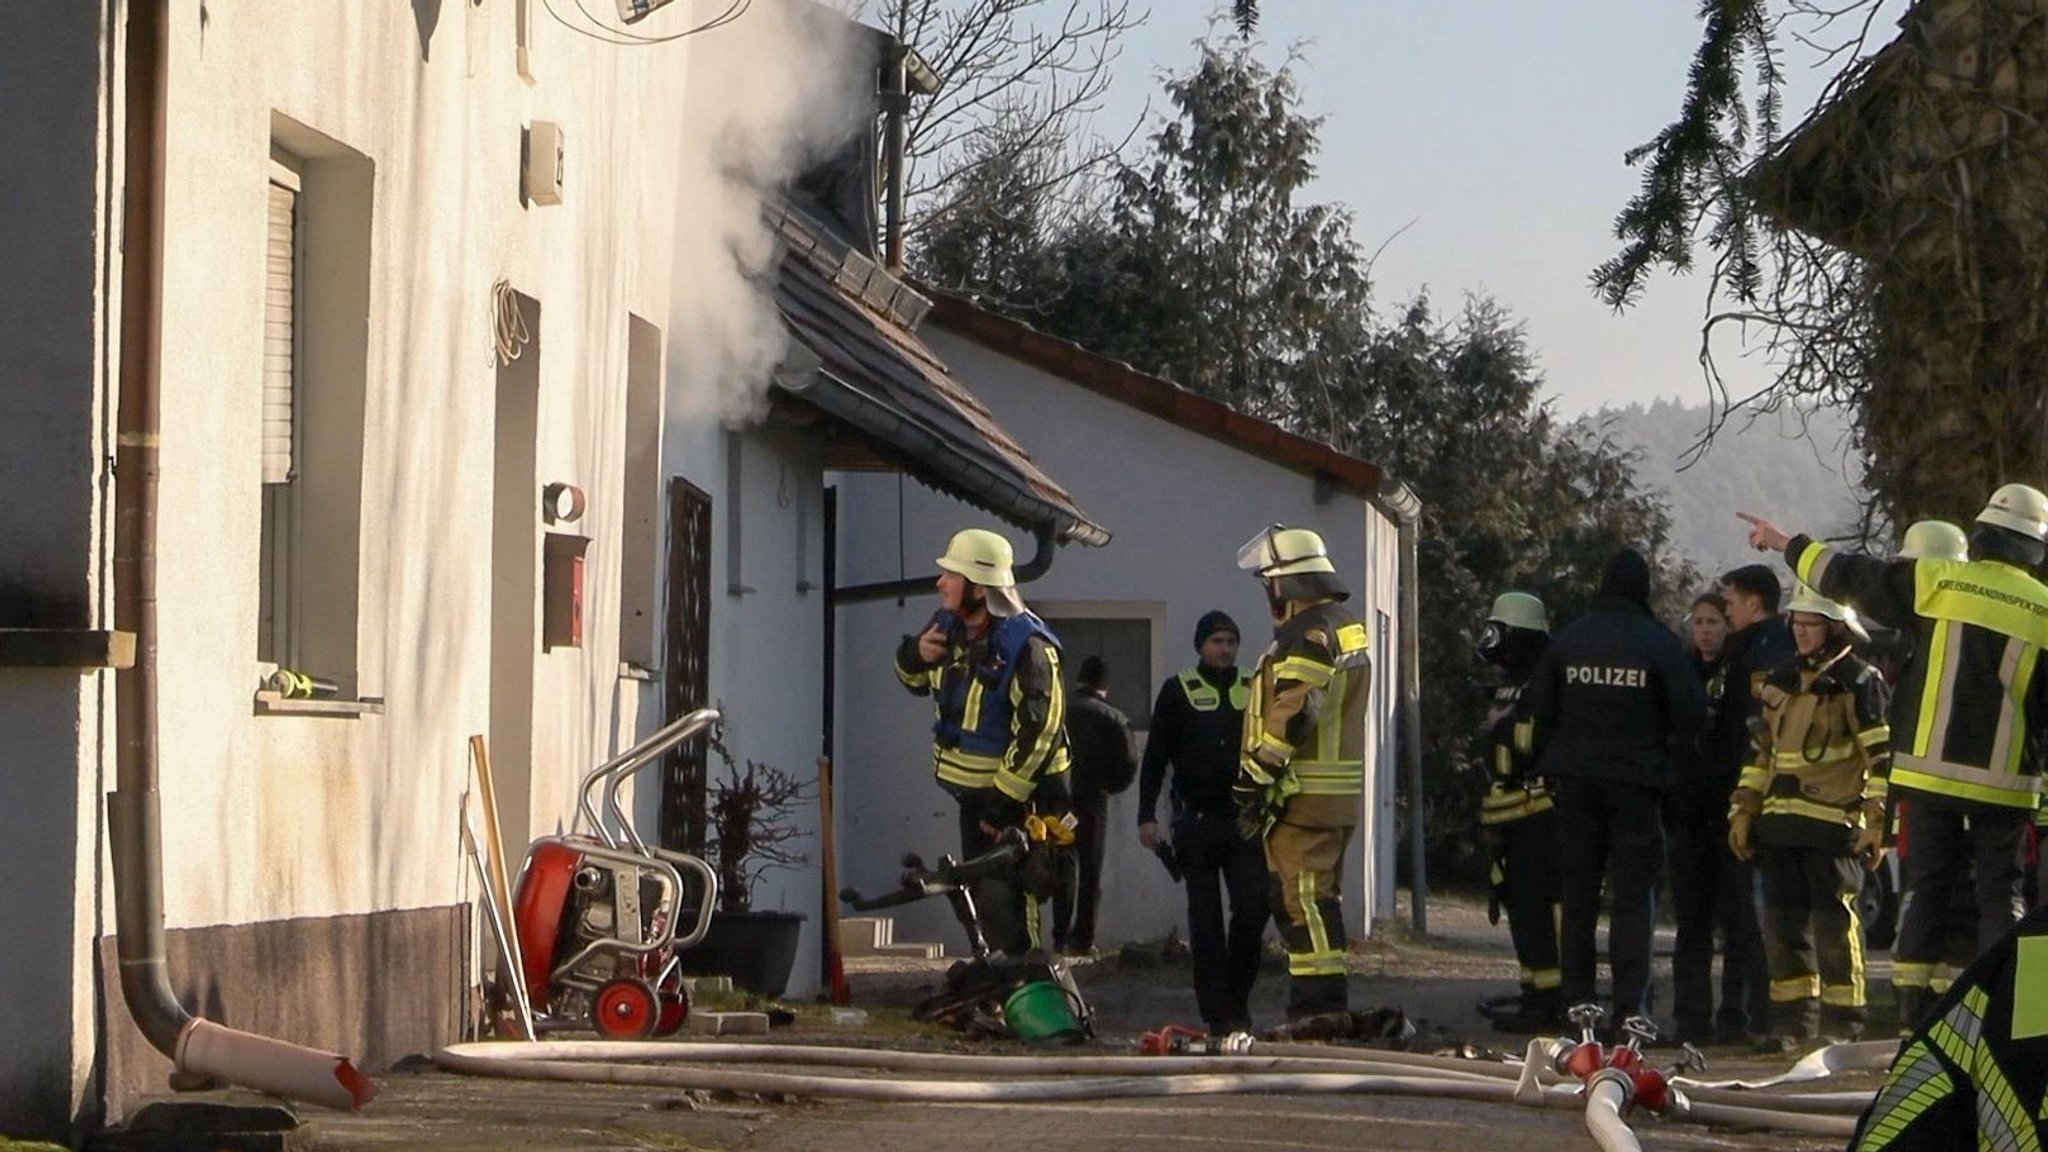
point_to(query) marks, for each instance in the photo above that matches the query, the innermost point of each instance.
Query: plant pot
(757, 949)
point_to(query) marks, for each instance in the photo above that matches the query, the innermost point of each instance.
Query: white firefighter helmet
(981, 556)
(1934, 540)
(2019, 507)
(1283, 551)
(1805, 599)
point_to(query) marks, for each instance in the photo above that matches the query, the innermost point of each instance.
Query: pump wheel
(625, 1009)
(675, 1012)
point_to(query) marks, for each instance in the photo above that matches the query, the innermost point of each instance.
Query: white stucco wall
(1179, 504)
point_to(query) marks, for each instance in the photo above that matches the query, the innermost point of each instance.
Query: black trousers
(1711, 889)
(1216, 861)
(1944, 839)
(1610, 837)
(1073, 911)
(1009, 922)
(1813, 938)
(1530, 848)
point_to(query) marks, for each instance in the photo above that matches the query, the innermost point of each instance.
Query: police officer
(1301, 769)
(1972, 1075)
(1810, 810)
(1517, 815)
(1197, 724)
(999, 743)
(1969, 713)
(1600, 714)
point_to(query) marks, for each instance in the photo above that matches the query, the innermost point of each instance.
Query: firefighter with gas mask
(999, 744)
(1301, 772)
(1970, 713)
(1809, 810)
(1516, 817)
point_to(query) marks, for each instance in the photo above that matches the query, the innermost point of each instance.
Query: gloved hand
(1743, 807)
(1249, 801)
(1869, 843)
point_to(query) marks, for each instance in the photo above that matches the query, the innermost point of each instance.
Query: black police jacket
(1749, 658)
(1610, 697)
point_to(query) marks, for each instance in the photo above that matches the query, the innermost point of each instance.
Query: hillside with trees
(1799, 468)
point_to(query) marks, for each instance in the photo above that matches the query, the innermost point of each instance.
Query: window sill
(272, 704)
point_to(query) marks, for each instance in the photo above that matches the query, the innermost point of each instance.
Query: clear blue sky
(1497, 127)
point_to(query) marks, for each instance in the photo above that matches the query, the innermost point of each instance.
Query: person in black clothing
(1709, 887)
(1197, 726)
(1518, 819)
(1600, 714)
(1099, 740)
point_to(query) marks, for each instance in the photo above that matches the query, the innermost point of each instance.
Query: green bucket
(1039, 1011)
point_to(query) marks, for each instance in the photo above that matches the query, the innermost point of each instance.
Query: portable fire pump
(597, 912)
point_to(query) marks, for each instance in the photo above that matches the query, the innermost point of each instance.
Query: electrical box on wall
(561, 610)
(543, 169)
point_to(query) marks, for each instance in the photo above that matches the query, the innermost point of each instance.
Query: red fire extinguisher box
(561, 612)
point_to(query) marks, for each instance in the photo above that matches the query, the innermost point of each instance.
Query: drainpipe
(896, 111)
(1400, 502)
(134, 815)
(1030, 570)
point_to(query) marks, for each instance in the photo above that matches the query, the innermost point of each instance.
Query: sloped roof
(874, 375)
(1157, 396)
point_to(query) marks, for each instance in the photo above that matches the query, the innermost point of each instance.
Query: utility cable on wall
(509, 334)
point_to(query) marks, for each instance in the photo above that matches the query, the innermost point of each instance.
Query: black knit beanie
(1214, 621)
(1627, 575)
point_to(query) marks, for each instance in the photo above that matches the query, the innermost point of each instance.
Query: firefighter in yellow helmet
(1302, 769)
(1517, 817)
(999, 744)
(1970, 712)
(1809, 809)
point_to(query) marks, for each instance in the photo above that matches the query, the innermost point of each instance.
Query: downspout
(1030, 570)
(1400, 501)
(896, 112)
(134, 815)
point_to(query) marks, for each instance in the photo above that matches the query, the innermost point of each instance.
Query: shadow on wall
(426, 16)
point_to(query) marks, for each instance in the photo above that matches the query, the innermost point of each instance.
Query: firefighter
(999, 744)
(1197, 725)
(1517, 817)
(1301, 771)
(1810, 811)
(1973, 1074)
(1971, 708)
(1604, 705)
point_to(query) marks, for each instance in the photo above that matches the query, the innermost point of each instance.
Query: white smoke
(770, 95)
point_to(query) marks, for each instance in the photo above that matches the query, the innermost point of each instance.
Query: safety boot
(1914, 1003)
(1540, 1012)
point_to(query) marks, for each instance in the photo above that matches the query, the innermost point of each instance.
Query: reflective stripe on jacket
(1515, 792)
(1307, 709)
(1824, 744)
(1001, 706)
(1980, 637)
(1975, 1073)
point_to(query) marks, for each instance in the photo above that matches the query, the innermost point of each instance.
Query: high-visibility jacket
(1973, 1075)
(1961, 719)
(1306, 715)
(1197, 726)
(1822, 752)
(1515, 791)
(1001, 706)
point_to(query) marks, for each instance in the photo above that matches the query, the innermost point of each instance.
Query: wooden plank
(500, 893)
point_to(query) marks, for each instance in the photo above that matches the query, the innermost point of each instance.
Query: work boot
(1914, 1003)
(1539, 1013)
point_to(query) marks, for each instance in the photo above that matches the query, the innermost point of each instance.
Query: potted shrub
(751, 821)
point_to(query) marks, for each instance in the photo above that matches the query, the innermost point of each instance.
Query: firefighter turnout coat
(1822, 753)
(1968, 705)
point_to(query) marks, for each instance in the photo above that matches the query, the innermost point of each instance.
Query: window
(315, 362)
(1125, 645)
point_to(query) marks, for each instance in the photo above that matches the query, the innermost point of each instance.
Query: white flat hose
(1819, 1064)
(1605, 1098)
(1759, 1117)
(607, 1062)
